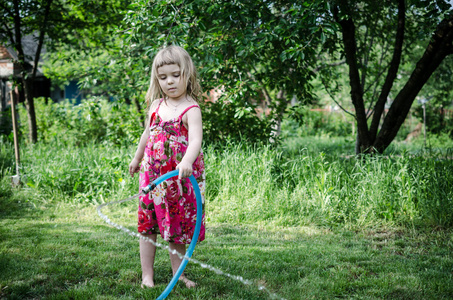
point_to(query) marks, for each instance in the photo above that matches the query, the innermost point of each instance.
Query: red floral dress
(170, 209)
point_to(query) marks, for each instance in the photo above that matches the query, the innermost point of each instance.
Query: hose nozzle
(149, 188)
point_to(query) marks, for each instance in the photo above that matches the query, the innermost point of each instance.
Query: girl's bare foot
(147, 283)
(189, 283)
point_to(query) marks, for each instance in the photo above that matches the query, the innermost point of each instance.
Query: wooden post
(424, 123)
(15, 179)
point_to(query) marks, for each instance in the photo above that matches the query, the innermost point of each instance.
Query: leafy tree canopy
(268, 52)
(53, 22)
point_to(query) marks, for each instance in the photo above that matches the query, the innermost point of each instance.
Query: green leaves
(266, 47)
(235, 43)
(229, 121)
(94, 120)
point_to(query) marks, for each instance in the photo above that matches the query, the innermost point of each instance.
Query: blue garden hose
(191, 248)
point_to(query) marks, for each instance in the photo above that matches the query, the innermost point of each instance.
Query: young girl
(171, 141)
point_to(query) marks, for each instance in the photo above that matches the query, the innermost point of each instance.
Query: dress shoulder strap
(158, 106)
(156, 112)
(182, 114)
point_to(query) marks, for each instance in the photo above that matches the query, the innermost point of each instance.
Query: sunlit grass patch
(301, 222)
(59, 253)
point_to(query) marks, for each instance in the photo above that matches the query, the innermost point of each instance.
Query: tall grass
(6, 156)
(88, 174)
(263, 184)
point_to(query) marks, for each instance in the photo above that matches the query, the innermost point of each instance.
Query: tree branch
(18, 37)
(41, 37)
(349, 41)
(375, 83)
(336, 102)
(366, 58)
(439, 47)
(6, 9)
(9, 32)
(392, 72)
(335, 64)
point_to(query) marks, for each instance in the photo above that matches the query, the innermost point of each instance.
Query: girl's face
(170, 81)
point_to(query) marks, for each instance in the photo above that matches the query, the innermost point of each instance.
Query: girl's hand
(134, 167)
(185, 169)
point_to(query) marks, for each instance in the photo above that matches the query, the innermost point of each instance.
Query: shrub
(307, 122)
(114, 123)
(438, 119)
(6, 155)
(230, 122)
(6, 124)
(94, 120)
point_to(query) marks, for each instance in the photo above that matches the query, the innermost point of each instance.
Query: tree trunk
(279, 109)
(30, 83)
(439, 47)
(350, 48)
(26, 82)
(370, 140)
(392, 71)
(31, 113)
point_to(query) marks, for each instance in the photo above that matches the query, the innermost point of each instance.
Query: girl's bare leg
(176, 262)
(147, 255)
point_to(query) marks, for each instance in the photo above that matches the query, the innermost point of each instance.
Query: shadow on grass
(8, 205)
(68, 252)
(311, 263)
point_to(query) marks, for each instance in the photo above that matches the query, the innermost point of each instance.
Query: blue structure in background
(72, 92)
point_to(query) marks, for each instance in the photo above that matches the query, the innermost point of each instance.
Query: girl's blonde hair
(178, 56)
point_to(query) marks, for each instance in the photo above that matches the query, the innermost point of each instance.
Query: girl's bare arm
(195, 127)
(134, 166)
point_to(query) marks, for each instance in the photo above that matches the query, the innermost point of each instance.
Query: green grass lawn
(304, 220)
(66, 251)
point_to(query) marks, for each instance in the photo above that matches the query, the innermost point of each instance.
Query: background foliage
(95, 120)
(265, 55)
(265, 64)
(299, 213)
(284, 186)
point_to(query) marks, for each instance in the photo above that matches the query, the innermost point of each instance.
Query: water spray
(193, 243)
(191, 248)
